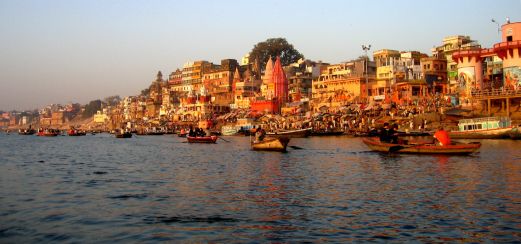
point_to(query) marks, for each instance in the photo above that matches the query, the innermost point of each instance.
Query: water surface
(157, 188)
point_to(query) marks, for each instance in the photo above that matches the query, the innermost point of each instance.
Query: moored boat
(229, 130)
(125, 134)
(28, 131)
(483, 128)
(271, 144)
(326, 133)
(515, 133)
(290, 133)
(202, 139)
(74, 132)
(48, 132)
(151, 131)
(457, 148)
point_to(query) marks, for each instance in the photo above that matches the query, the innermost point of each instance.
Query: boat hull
(515, 133)
(124, 135)
(76, 133)
(47, 134)
(271, 144)
(500, 133)
(229, 130)
(26, 132)
(462, 148)
(202, 139)
(326, 133)
(291, 133)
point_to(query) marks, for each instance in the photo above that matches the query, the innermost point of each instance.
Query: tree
(145, 92)
(112, 100)
(275, 47)
(92, 108)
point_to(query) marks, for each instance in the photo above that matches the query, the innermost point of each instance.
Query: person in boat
(385, 133)
(394, 133)
(207, 131)
(199, 132)
(442, 137)
(260, 134)
(191, 132)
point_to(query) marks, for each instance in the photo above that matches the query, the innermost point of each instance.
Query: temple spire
(236, 78)
(280, 82)
(268, 73)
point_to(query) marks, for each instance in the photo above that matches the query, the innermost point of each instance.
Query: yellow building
(339, 84)
(100, 117)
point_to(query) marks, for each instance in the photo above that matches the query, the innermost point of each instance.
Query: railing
(496, 93)
(485, 119)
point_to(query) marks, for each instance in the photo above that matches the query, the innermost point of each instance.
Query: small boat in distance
(456, 148)
(48, 132)
(326, 132)
(483, 128)
(28, 131)
(278, 144)
(202, 139)
(290, 133)
(122, 134)
(75, 132)
(229, 130)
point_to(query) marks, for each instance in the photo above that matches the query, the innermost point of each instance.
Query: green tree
(275, 47)
(92, 108)
(112, 100)
(145, 92)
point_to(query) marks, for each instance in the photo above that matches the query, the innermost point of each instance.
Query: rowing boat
(278, 144)
(201, 139)
(291, 133)
(456, 148)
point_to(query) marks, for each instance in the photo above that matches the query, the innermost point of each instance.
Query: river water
(97, 188)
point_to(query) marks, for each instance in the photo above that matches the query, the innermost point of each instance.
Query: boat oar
(223, 139)
(397, 148)
(296, 148)
(393, 149)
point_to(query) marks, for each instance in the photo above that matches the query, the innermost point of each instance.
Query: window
(509, 38)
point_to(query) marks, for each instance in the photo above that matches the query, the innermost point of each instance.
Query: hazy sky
(78, 51)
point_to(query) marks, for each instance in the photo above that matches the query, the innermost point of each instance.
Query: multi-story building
(341, 83)
(192, 74)
(450, 45)
(395, 71)
(175, 80)
(300, 78)
(245, 88)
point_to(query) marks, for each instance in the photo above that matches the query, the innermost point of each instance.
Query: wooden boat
(151, 131)
(515, 133)
(483, 128)
(458, 148)
(74, 132)
(271, 144)
(290, 133)
(202, 139)
(48, 132)
(123, 134)
(326, 133)
(26, 131)
(229, 130)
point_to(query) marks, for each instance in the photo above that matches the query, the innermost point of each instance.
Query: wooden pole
(508, 107)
